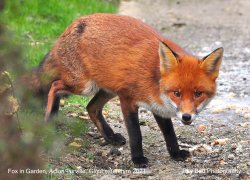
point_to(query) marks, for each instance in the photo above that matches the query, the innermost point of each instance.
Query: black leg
(167, 129)
(135, 137)
(56, 104)
(95, 113)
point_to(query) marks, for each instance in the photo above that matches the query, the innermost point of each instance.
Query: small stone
(115, 152)
(231, 94)
(246, 50)
(143, 123)
(79, 167)
(104, 143)
(216, 151)
(82, 150)
(234, 163)
(231, 156)
(234, 146)
(98, 153)
(239, 149)
(218, 43)
(94, 135)
(76, 104)
(85, 113)
(244, 175)
(73, 114)
(247, 116)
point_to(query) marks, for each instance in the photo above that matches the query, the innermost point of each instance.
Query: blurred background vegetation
(37, 23)
(27, 32)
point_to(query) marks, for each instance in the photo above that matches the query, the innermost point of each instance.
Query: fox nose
(186, 117)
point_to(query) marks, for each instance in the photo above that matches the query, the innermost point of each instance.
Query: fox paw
(181, 155)
(117, 140)
(140, 162)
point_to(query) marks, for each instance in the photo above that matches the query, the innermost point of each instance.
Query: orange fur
(120, 54)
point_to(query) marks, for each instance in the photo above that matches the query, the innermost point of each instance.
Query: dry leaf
(78, 140)
(75, 144)
(222, 162)
(218, 110)
(201, 128)
(201, 149)
(73, 114)
(62, 102)
(104, 113)
(220, 141)
(12, 106)
(84, 117)
(244, 124)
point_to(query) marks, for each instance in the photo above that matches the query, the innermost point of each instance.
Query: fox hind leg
(94, 109)
(56, 104)
(57, 88)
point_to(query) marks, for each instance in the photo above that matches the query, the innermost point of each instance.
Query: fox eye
(177, 93)
(197, 94)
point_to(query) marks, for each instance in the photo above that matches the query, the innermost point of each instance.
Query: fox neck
(161, 106)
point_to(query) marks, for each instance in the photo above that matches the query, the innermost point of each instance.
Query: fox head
(188, 83)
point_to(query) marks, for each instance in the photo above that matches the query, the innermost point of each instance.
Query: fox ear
(168, 58)
(211, 63)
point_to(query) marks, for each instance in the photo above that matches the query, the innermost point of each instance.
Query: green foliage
(79, 99)
(35, 128)
(90, 155)
(77, 127)
(38, 23)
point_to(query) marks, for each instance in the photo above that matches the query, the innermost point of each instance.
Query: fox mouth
(186, 122)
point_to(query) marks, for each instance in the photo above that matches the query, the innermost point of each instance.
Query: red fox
(109, 55)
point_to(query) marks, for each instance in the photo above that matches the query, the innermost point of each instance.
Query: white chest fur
(167, 109)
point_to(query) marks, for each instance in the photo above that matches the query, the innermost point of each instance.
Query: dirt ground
(219, 138)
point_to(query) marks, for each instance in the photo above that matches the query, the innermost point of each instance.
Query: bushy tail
(41, 78)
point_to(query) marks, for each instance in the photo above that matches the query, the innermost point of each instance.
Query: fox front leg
(130, 114)
(167, 130)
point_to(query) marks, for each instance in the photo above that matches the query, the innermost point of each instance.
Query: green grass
(37, 23)
(78, 99)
